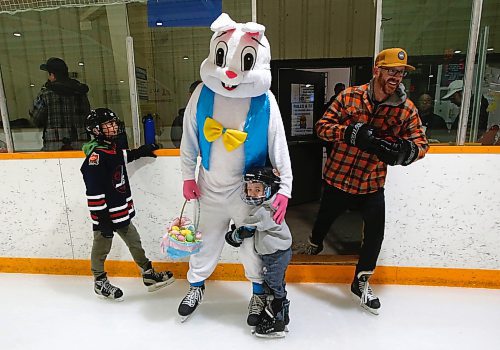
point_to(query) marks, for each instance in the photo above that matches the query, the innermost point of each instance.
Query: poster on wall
(451, 72)
(302, 119)
(302, 109)
(141, 76)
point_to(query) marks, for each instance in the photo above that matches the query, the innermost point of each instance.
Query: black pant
(372, 207)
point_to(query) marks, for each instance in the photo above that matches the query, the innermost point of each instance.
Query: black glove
(236, 236)
(105, 226)
(360, 135)
(142, 151)
(398, 152)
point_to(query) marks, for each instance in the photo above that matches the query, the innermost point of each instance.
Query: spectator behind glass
(61, 108)
(435, 126)
(339, 87)
(177, 124)
(454, 95)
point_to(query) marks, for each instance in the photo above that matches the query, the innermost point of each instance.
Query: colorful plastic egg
(189, 237)
(198, 235)
(175, 228)
(181, 238)
(174, 232)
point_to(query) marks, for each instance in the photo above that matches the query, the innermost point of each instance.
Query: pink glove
(280, 204)
(190, 190)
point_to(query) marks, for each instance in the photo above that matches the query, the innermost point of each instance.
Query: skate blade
(357, 300)
(185, 318)
(272, 335)
(119, 300)
(252, 329)
(160, 285)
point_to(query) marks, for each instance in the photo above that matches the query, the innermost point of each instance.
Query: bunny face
(238, 63)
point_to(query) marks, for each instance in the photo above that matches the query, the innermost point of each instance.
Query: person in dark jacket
(109, 200)
(455, 96)
(435, 126)
(177, 124)
(61, 108)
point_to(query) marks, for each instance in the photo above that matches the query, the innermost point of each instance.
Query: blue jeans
(274, 269)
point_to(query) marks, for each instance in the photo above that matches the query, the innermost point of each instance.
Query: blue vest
(256, 127)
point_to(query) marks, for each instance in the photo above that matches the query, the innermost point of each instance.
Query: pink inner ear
(253, 33)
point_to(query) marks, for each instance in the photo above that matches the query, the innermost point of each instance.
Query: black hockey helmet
(268, 177)
(99, 116)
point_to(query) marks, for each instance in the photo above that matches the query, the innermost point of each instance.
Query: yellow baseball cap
(394, 57)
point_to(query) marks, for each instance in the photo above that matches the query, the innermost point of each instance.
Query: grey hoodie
(269, 236)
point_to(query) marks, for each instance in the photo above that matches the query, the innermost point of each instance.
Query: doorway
(302, 88)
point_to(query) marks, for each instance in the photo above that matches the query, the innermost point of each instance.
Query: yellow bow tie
(231, 138)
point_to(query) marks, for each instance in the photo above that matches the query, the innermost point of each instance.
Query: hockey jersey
(109, 197)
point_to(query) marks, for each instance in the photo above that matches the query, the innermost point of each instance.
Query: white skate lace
(194, 295)
(256, 305)
(109, 287)
(366, 292)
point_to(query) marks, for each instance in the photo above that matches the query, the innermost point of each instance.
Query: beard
(388, 85)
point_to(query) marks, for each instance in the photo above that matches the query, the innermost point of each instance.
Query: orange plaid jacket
(347, 167)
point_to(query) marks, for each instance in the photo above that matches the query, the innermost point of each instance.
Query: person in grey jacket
(272, 242)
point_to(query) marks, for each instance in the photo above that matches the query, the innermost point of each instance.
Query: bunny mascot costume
(233, 122)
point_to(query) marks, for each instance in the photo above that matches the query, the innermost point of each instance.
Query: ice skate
(156, 280)
(103, 288)
(363, 293)
(255, 308)
(271, 326)
(190, 303)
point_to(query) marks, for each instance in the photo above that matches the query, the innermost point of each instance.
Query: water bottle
(149, 129)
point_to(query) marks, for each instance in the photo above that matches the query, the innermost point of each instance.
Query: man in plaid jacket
(61, 108)
(370, 126)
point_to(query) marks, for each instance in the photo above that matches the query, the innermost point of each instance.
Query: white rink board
(440, 212)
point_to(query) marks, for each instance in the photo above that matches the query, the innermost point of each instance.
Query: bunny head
(238, 64)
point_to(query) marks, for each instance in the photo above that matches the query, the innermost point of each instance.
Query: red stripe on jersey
(94, 203)
(119, 214)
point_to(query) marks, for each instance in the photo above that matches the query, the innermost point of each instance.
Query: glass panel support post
(254, 10)
(378, 28)
(478, 81)
(134, 101)
(477, 6)
(5, 116)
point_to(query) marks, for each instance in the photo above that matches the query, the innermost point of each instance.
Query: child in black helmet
(273, 243)
(110, 201)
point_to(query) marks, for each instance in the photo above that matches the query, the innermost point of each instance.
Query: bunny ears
(225, 23)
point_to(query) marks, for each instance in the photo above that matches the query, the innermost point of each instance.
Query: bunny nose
(230, 74)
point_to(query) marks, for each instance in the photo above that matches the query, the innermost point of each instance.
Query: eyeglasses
(395, 72)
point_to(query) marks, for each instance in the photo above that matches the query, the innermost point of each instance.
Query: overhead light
(431, 75)
(122, 81)
(32, 85)
(159, 23)
(81, 63)
(17, 34)
(185, 58)
(489, 49)
(457, 51)
(308, 85)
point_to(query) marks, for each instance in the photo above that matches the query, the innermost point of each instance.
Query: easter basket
(182, 238)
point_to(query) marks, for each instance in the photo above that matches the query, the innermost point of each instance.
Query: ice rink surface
(62, 312)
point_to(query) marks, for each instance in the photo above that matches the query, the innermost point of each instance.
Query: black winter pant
(372, 207)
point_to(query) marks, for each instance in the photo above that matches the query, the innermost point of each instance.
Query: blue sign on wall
(183, 13)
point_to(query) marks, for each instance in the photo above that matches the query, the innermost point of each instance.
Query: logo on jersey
(119, 179)
(94, 159)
